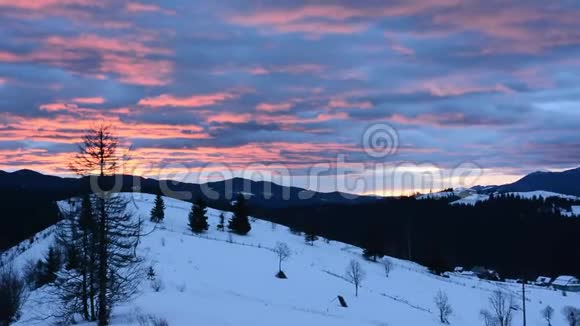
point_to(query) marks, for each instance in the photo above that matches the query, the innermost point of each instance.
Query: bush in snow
(12, 295)
(181, 287)
(151, 273)
(445, 310)
(355, 274)
(388, 266)
(157, 285)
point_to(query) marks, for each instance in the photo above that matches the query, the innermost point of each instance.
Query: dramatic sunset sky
(293, 83)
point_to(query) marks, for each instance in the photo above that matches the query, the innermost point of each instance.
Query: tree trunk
(102, 274)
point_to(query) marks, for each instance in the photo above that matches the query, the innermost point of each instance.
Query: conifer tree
(239, 222)
(310, 234)
(52, 265)
(158, 211)
(198, 218)
(222, 224)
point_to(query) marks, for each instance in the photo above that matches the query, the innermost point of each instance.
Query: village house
(566, 283)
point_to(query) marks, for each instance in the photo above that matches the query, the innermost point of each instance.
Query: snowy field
(211, 281)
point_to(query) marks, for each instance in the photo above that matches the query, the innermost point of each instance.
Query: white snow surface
(209, 281)
(471, 199)
(541, 193)
(475, 198)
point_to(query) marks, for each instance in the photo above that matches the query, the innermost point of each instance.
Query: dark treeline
(24, 214)
(517, 238)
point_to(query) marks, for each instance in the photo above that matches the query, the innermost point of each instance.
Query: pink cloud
(55, 107)
(126, 59)
(227, 117)
(344, 104)
(190, 101)
(454, 85)
(88, 100)
(138, 71)
(401, 49)
(289, 69)
(274, 107)
(99, 43)
(137, 7)
(331, 18)
(44, 4)
(511, 27)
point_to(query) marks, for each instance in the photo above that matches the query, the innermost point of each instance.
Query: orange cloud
(190, 101)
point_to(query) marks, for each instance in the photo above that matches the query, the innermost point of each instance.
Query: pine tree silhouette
(239, 222)
(198, 218)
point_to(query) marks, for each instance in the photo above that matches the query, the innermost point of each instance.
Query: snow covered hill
(225, 279)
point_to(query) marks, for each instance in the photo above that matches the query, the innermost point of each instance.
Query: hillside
(210, 281)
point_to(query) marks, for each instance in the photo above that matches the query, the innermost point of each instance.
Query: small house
(543, 281)
(458, 269)
(566, 283)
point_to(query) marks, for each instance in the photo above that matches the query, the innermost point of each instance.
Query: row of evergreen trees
(239, 222)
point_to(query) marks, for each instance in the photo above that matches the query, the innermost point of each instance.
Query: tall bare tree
(501, 312)
(283, 252)
(355, 274)
(115, 233)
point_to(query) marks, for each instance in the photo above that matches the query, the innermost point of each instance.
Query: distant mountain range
(218, 194)
(259, 193)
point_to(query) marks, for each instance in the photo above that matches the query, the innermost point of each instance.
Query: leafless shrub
(12, 295)
(445, 310)
(150, 320)
(547, 314)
